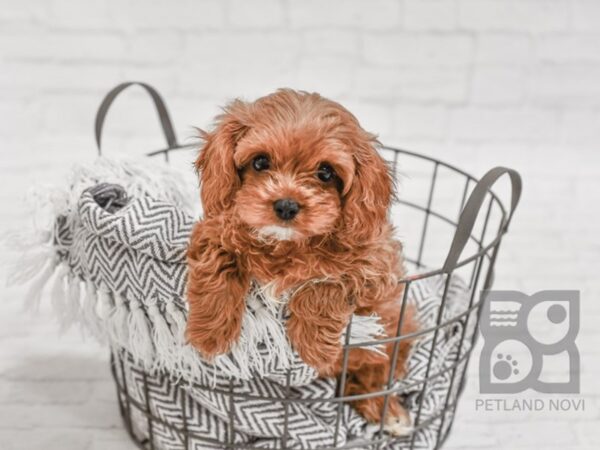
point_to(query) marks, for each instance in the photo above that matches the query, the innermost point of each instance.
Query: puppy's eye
(261, 162)
(325, 173)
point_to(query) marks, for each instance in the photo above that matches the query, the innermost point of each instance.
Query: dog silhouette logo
(525, 333)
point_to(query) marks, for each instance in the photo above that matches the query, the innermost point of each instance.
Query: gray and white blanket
(116, 253)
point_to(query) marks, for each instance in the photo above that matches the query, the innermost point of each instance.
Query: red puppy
(295, 194)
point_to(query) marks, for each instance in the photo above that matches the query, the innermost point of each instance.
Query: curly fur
(336, 257)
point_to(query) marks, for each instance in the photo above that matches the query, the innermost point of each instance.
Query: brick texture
(477, 83)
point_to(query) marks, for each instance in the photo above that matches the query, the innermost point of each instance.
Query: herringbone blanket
(117, 254)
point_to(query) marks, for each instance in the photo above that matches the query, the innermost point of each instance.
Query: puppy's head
(293, 165)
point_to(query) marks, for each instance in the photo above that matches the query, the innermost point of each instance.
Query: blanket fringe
(58, 295)
(164, 340)
(178, 321)
(140, 334)
(117, 328)
(267, 324)
(73, 310)
(90, 317)
(156, 337)
(34, 293)
(364, 329)
(28, 266)
(106, 306)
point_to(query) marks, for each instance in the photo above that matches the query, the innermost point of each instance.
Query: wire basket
(439, 207)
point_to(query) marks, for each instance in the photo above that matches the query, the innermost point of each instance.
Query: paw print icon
(523, 335)
(505, 367)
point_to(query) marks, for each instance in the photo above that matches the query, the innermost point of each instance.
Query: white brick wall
(474, 82)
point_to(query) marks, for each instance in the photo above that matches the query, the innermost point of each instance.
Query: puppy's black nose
(285, 208)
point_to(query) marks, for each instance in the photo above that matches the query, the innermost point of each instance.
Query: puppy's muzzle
(286, 209)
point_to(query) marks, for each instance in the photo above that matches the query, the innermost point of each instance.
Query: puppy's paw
(215, 293)
(313, 346)
(210, 347)
(319, 313)
(321, 356)
(399, 424)
(213, 342)
(397, 421)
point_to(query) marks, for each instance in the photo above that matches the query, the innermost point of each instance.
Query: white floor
(56, 391)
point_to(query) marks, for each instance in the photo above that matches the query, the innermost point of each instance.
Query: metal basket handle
(159, 104)
(473, 206)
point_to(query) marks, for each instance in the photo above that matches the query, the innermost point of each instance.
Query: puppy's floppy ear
(215, 164)
(367, 202)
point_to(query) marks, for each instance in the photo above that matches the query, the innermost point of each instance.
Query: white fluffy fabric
(149, 324)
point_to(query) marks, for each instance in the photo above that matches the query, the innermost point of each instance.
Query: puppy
(295, 195)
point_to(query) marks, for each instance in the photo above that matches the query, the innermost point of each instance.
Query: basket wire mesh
(478, 225)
